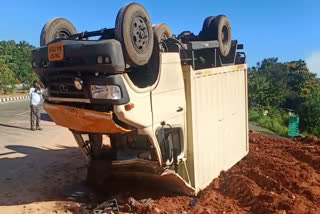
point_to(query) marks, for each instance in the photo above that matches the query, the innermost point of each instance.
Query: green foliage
(7, 78)
(255, 114)
(289, 85)
(30, 78)
(17, 58)
(275, 120)
(309, 112)
(267, 83)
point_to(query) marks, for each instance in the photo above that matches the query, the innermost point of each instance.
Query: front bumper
(83, 120)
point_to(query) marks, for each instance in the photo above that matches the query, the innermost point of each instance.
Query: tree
(287, 85)
(24, 61)
(17, 56)
(309, 112)
(268, 83)
(258, 87)
(302, 84)
(31, 76)
(7, 78)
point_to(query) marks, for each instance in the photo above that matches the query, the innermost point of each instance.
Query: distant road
(14, 110)
(14, 121)
(15, 125)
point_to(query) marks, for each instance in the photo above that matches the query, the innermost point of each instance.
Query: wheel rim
(164, 36)
(139, 34)
(225, 35)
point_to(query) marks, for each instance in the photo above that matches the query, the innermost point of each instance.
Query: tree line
(285, 86)
(15, 64)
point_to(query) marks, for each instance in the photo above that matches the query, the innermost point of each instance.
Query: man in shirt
(35, 94)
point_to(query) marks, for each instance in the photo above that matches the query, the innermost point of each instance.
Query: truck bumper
(83, 120)
(81, 55)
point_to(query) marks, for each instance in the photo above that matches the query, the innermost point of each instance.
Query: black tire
(222, 31)
(161, 33)
(218, 28)
(56, 28)
(186, 36)
(147, 75)
(207, 22)
(134, 30)
(204, 33)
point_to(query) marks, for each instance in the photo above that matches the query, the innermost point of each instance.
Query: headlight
(110, 92)
(78, 84)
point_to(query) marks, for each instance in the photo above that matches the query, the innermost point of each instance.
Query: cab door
(169, 108)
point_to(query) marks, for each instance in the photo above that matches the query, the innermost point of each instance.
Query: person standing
(35, 94)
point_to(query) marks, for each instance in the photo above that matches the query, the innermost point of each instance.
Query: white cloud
(313, 62)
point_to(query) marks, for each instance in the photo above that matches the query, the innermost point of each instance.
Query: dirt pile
(278, 176)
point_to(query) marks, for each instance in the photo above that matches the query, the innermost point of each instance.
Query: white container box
(217, 121)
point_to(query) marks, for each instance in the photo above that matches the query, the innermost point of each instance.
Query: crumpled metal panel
(83, 119)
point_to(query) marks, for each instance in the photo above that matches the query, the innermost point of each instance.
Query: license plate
(55, 51)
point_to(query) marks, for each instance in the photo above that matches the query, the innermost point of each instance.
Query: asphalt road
(14, 111)
(15, 126)
(15, 122)
(34, 165)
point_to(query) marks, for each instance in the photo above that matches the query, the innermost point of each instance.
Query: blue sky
(287, 29)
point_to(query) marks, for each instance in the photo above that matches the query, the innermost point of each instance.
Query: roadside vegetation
(275, 120)
(15, 65)
(277, 88)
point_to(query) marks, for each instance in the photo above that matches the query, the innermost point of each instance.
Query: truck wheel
(218, 28)
(207, 22)
(161, 33)
(56, 28)
(134, 31)
(204, 33)
(186, 36)
(147, 75)
(222, 29)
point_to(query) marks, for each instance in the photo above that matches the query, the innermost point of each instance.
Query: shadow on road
(39, 174)
(43, 116)
(12, 126)
(7, 153)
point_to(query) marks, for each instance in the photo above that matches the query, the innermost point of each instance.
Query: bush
(7, 78)
(275, 120)
(309, 113)
(255, 114)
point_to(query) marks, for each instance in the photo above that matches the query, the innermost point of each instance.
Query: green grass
(276, 120)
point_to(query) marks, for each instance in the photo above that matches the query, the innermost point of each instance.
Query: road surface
(34, 165)
(15, 125)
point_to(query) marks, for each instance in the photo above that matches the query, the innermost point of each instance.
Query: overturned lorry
(144, 103)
